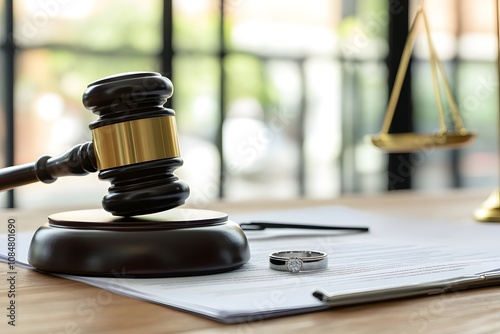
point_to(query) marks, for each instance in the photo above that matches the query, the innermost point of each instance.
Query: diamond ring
(295, 261)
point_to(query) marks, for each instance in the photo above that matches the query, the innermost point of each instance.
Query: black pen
(261, 225)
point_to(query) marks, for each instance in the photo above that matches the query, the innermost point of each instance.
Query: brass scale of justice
(444, 138)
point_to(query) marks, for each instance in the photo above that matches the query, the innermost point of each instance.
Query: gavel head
(135, 143)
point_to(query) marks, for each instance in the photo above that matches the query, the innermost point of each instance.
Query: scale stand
(489, 211)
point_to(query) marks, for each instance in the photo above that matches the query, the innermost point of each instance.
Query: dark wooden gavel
(134, 146)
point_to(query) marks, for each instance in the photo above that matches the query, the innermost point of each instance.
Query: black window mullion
(222, 99)
(9, 64)
(398, 175)
(166, 54)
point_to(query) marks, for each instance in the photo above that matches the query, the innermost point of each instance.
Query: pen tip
(320, 295)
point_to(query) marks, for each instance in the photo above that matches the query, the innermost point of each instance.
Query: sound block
(177, 242)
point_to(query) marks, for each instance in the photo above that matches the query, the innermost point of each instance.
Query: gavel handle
(80, 160)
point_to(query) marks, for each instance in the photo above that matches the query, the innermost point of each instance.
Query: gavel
(142, 228)
(134, 146)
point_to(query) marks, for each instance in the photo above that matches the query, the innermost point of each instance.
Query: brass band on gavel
(135, 141)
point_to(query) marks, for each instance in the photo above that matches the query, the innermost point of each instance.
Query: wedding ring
(295, 261)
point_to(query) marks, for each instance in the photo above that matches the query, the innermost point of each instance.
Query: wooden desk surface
(47, 304)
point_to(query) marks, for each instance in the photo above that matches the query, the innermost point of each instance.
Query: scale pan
(410, 142)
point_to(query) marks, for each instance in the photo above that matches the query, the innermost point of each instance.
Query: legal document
(396, 258)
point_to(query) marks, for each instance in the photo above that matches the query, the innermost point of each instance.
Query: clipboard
(481, 280)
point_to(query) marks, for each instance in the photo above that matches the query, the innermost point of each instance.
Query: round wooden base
(178, 242)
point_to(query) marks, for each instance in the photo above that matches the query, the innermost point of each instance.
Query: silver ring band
(295, 261)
